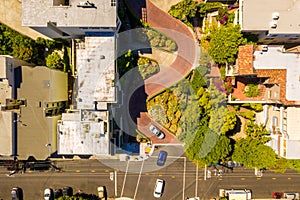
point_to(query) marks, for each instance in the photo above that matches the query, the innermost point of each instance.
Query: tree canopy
(224, 43)
(253, 153)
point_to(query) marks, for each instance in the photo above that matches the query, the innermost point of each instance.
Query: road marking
(183, 185)
(106, 170)
(125, 178)
(196, 187)
(220, 179)
(159, 174)
(273, 178)
(138, 182)
(258, 178)
(77, 171)
(200, 179)
(242, 179)
(93, 171)
(289, 178)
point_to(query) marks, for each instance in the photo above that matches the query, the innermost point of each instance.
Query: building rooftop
(84, 133)
(259, 14)
(95, 72)
(69, 13)
(275, 58)
(245, 60)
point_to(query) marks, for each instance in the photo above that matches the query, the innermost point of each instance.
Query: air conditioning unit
(264, 48)
(275, 15)
(273, 24)
(83, 3)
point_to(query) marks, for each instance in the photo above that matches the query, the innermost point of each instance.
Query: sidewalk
(11, 15)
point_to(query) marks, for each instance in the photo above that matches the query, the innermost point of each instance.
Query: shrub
(252, 90)
(147, 67)
(247, 114)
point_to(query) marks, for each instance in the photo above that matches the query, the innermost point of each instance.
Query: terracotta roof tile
(245, 60)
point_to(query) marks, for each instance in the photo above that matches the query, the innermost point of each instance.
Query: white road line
(183, 185)
(125, 178)
(138, 182)
(196, 189)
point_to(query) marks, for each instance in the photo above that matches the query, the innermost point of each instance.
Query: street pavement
(136, 179)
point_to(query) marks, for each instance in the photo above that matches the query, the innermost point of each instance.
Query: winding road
(186, 57)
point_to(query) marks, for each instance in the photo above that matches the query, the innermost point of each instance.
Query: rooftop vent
(273, 24)
(85, 4)
(275, 15)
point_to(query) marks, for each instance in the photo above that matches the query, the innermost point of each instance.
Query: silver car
(156, 132)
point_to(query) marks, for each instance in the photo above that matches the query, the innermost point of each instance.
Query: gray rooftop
(37, 13)
(96, 71)
(274, 58)
(83, 133)
(258, 14)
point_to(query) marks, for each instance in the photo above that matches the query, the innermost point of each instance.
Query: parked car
(162, 157)
(159, 187)
(156, 132)
(291, 195)
(277, 195)
(102, 194)
(16, 193)
(67, 191)
(48, 194)
(58, 193)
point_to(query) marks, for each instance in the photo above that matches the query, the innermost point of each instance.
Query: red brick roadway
(182, 65)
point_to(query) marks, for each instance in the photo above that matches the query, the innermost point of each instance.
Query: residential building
(274, 22)
(85, 128)
(275, 70)
(32, 99)
(70, 18)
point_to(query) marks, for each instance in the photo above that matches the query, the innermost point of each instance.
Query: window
(113, 3)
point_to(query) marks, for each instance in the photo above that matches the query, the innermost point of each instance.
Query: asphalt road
(136, 179)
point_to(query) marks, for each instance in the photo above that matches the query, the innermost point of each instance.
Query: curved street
(186, 57)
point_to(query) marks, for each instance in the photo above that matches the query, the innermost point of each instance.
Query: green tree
(54, 61)
(253, 153)
(257, 131)
(126, 62)
(229, 122)
(224, 43)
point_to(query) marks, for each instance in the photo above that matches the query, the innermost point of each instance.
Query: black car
(16, 193)
(58, 193)
(67, 191)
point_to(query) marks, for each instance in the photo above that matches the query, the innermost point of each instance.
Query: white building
(272, 20)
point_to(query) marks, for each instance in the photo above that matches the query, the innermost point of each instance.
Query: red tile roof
(245, 60)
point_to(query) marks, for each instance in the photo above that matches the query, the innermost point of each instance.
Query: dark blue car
(162, 157)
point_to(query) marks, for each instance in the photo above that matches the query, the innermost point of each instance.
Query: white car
(102, 192)
(159, 187)
(48, 194)
(156, 132)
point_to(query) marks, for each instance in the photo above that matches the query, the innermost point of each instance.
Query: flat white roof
(37, 13)
(257, 15)
(83, 133)
(95, 71)
(293, 122)
(274, 58)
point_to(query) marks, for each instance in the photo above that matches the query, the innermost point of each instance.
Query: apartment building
(32, 99)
